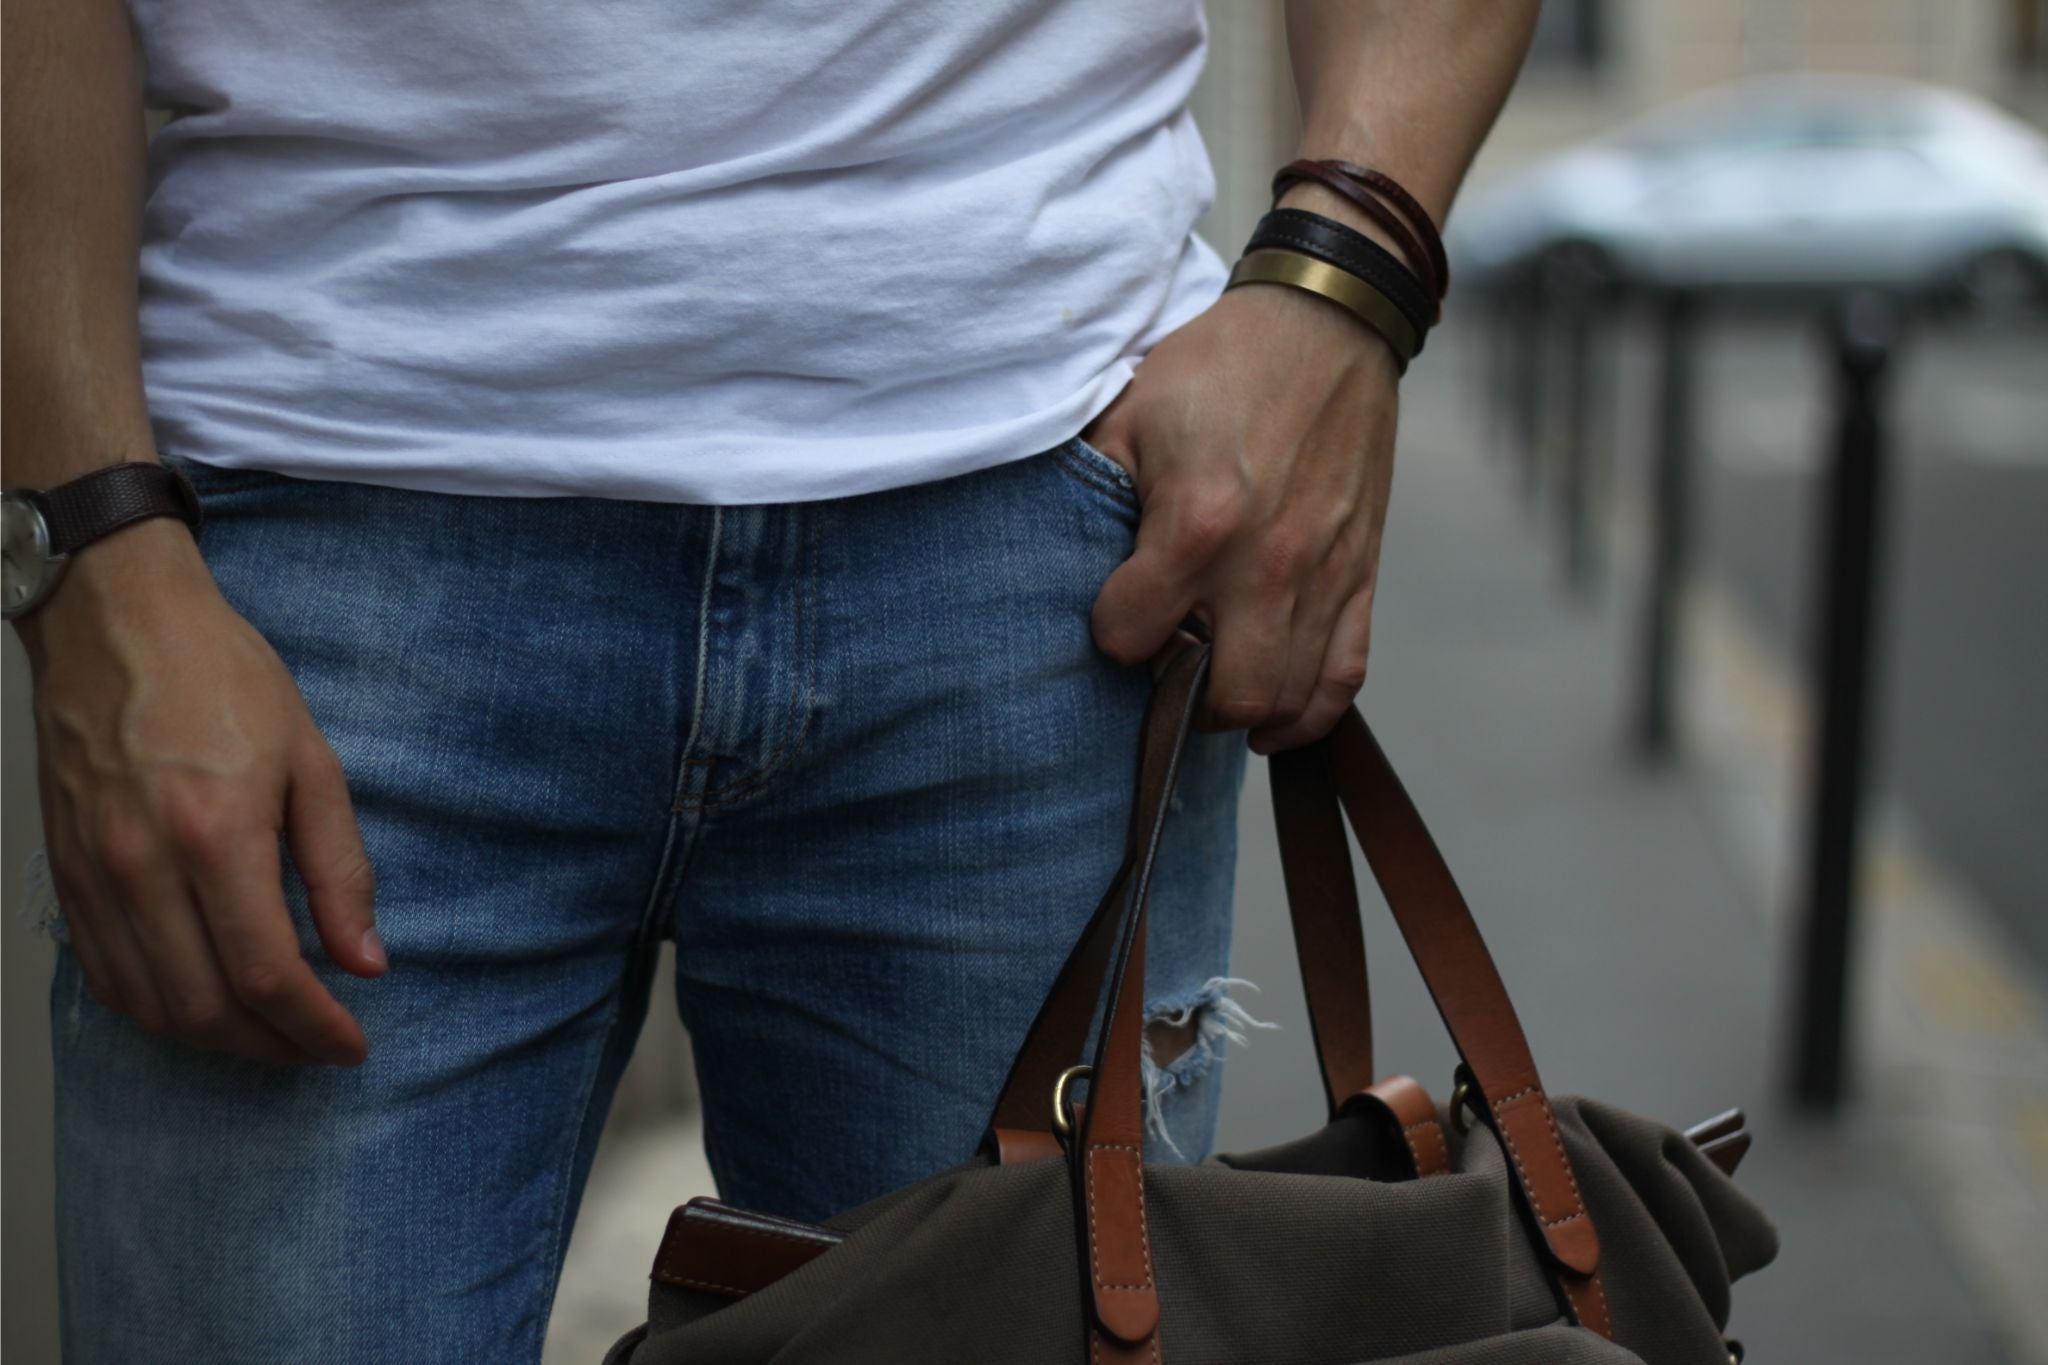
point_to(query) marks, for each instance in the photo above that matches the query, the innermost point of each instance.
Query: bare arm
(173, 746)
(1409, 87)
(1261, 435)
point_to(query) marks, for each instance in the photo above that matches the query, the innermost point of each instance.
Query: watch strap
(90, 506)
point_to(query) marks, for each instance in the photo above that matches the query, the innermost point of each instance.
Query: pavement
(1637, 917)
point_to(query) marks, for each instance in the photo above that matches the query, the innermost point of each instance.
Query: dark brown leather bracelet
(1421, 263)
(1418, 217)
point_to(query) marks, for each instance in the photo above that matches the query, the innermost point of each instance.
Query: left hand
(1261, 438)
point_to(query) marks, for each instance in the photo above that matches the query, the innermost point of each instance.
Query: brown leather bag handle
(1322, 902)
(1452, 956)
(1059, 1033)
(1448, 949)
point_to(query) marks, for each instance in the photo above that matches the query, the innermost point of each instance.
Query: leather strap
(1408, 1110)
(715, 1248)
(1365, 177)
(1325, 173)
(93, 505)
(1059, 1033)
(1355, 254)
(1469, 994)
(1106, 1158)
(1329, 936)
(1322, 902)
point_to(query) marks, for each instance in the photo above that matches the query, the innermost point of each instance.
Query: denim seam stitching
(685, 769)
(796, 726)
(557, 1244)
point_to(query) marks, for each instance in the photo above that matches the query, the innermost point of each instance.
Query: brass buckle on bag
(1062, 1114)
(1462, 1092)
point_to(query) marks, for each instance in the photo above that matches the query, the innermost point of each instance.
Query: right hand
(173, 749)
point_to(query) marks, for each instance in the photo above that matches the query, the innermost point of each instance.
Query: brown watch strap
(92, 505)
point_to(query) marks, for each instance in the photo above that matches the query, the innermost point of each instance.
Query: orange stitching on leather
(1508, 1137)
(1095, 1346)
(1436, 1130)
(1571, 1178)
(1144, 1234)
(1557, 1139)
(1574, 1287)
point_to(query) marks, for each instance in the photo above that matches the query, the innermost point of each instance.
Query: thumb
(327, 848)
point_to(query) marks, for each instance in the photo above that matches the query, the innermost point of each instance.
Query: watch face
(26, 569)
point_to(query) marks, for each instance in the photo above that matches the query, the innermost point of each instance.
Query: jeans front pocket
(1096, 471)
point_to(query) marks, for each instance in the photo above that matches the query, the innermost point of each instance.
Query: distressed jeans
(859, 759)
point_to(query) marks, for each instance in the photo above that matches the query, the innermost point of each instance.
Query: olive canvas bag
(1506, 1227)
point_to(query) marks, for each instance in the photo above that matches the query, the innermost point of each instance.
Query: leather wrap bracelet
(1327, 240)
(1414, 232)
(1356, 296)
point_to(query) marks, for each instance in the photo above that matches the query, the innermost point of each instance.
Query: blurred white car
(1799, 182)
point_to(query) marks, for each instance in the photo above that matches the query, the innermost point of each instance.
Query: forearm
(1408, 87)
(72, 180)
(72, 184)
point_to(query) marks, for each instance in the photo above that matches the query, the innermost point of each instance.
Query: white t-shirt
(726, 253)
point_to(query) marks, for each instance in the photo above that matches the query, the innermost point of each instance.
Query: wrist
(1362, 355)
(136, 574)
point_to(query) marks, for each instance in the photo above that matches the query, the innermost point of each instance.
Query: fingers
(241, 897)
(1249, 666)
(134, 922)
(199, 1007)
(1341, 676)
(327, 848)
(1144, 601)
(121, 871)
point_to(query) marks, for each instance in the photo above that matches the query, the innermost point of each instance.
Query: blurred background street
(1646, 904)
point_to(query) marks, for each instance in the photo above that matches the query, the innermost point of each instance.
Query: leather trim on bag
(718, 1249)
(1411, 1112)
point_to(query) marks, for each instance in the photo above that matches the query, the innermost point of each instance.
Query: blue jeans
(858, 758)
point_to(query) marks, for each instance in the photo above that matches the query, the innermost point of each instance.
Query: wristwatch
(40, 530)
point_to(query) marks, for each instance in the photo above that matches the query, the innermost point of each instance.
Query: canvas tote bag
(1507, 1227)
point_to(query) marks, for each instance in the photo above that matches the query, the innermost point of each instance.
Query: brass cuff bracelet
(1271, 265)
